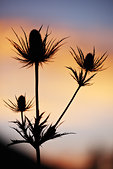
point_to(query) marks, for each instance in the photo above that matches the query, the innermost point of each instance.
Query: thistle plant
(86, 64)
(20, 105)
(34, 52)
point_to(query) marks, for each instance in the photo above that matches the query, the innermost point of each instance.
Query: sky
(88, 24)
(75, 12)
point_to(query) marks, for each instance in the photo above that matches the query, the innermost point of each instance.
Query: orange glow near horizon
(93, 106)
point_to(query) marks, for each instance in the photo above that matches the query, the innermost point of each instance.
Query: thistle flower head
(35, 43)
(20, 105)
(36, 49)
(90, 62)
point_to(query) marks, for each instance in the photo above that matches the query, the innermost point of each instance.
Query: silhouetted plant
(87, 64)
(36, 134)
(20, 105)
(37, 51)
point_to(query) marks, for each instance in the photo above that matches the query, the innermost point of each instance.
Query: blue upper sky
(74, 13)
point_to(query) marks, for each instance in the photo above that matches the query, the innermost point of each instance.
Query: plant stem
(37, 111)
(85, 75)
(36, 90)
(67, 106)
(38, 157)
(22, 116)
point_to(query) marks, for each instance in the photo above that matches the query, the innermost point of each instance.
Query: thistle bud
(21, 102)
(89, 61)
(35, 42)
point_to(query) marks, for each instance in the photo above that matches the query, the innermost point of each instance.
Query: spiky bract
(36, 134)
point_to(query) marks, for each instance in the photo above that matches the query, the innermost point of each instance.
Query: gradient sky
(88, 24)
(78, 13)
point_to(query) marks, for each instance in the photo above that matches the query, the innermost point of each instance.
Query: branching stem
(67, 106)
